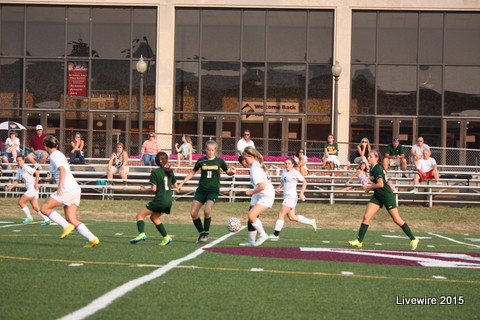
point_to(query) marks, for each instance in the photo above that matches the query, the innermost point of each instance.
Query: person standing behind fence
(363, 148)
(30, 178)
(67, 195)
(331, 153)
(162, 180)
(301, 161)
(394, 155)
(150, 148)
(244, 142)
(38, 154)
(263, 196)
(382, 195)
(289, 182)
(12, 147)
(417, 150)
(208, 188)
(118, 162)
(185, 151)
(78, 144)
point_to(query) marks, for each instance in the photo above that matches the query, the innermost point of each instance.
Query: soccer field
(304, 275)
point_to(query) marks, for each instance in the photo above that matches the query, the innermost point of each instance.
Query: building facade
(216, 68)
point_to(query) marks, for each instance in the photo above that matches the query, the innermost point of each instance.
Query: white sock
(58, 219)
(27, 212)
(252, 235)
(279, 225)
(304, 220)
(259, 227)
(44, 217)
(85, 232)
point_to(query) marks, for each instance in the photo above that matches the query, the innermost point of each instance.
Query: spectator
(395, 156)
(77, 149)
(301, 161)
(331, 153)
(118, 162)
(150, 148)
(427, 169)
(362, 174)
(363, 148)
(417, 150)
(12, 147)
(244, 142)
(38, 154)
(185, 150)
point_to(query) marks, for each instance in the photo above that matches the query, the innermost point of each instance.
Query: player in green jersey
(208, 187)
(382, 195)
(162, 180)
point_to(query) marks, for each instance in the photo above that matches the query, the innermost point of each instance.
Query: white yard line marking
(453, 240)
(19, 224)
(103, 301)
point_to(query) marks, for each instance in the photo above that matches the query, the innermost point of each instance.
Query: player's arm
(13, 185)
(258, 188)
(377, 185)
(302, 191)
(187, 178)
(37, 179)
(280, 186)
(63, 173)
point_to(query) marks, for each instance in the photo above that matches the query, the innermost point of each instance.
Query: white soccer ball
(233, 224)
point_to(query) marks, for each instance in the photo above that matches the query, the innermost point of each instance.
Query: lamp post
(336, 71)
(141, 68)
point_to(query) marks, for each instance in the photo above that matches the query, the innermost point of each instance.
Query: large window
(412, 64)
(253, 62)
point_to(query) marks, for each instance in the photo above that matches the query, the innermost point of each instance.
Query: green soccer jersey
(163, 195)
(331, 147)
(375, 173)
(210, 175)
(394, 151)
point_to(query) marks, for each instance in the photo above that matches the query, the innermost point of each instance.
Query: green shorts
(157, 207)
(389, 202)
(202, 195)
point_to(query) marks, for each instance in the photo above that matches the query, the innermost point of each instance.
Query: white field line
(19, 224)
(453, 240)
(109, 297)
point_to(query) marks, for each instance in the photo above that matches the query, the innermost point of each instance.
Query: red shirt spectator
(38, 154)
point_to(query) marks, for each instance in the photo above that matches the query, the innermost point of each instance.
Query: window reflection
(319, 89)
(221, 34)
(462, 93)
(254, 35)
(187, 34)
(144, 33)
(44, 94)
(462, 34)
(396, 87)
(111, 32)
(11, 83)
(11, 30)
(46, 31)
(78, 26)
(430, 91)
(320, 36)
(186, 86)
(253, 86)
(110, 85)
(286, 86)
(430, 44)
(363, 89)
(220, 86)
(287, 32)
(364, 39)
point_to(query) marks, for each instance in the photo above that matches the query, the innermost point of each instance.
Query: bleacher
(460, 185)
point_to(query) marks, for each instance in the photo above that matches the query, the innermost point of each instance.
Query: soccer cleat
(261, 240)
(203, 237)
(92, 243)
(314, 225)
(273, 237)
(247, 244)
(27, 220)
(355, 243)
(140, 237)
(46, 223)
(414, 243)
(166, 240)
(67, 231)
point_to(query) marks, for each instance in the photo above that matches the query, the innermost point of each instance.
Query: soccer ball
(233, 224)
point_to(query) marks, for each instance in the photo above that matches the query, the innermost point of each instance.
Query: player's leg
(207, 220)
(370, 211)
(141, 215)
(36, 207)
(155, 217)
(253, 218)
(282, 212)
(48, 209)
(22, 202)
(71, 215)
(402, 224)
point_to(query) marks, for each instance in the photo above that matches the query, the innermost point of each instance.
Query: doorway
(106, 130)
(401, 128)
(218, 128)
(462, 134)
(284, 134)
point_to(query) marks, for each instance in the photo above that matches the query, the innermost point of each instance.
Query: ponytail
(251, 151)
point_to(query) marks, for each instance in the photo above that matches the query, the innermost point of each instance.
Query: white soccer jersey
(26, 174)
(290, 180)
(426, 165)
(258, 175)
(57, 160)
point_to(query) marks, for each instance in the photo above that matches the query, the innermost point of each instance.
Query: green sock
(362, 232)
(407, 231)
(198, 224)
(161, 229)
(141, 226)
(206, 224)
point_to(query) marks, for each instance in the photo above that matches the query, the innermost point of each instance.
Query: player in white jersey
(30, 177)
(290, 179)
(67, 194)
(263, 195)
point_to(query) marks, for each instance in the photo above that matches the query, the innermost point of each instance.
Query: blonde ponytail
(251, 151)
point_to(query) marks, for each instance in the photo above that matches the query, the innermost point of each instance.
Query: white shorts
(114, 170)
(290, 202)
(68, 197)
(395, 162)
(32, 193)
(265, 200)
(333, 158)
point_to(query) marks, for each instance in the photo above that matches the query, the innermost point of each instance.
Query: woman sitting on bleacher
(77, 149)
(12, 148)
(118, 162)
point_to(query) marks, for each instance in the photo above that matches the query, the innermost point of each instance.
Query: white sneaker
(273, 237)
(247, 244)
(438, 183)
(261, 240)
(414, 190)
